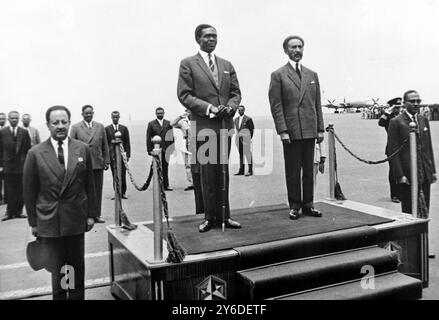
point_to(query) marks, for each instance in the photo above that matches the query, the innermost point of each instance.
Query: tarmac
(359, 182)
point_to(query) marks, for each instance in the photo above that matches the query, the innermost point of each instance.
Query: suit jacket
(197, 89)
(34, 135)
(109, 131)
(155, 129)
(247, 127)
(384, 122)
(58, 202)
(96, 138)
(295, 104)
(13, 154)
(399, 130)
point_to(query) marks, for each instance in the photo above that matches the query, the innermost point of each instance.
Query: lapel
(206, 70)
(306, 77)
(74, 154)
(220, 66)
(159, 126)
(292, 74)
(94, 129)
(19, 139)
(51, 160)
(112, 131)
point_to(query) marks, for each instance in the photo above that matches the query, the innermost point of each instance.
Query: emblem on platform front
(394, 247)
(212, 288)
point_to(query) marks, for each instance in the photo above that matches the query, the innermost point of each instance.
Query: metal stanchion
(331, 158)
(118, 177)
(414, 169)
(157, 202)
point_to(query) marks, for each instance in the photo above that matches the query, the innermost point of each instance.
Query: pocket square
(425, 129)
(226, 71)
(312, 82)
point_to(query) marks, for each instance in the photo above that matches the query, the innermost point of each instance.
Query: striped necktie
(211, 64)
(61, 154)
(298, 70)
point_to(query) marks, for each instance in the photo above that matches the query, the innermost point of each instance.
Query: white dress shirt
(64, 147)
(293, 64)
(161, 122)
(205, 57)
(88, 125)
(240, 121)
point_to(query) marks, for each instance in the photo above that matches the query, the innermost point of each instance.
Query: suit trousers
(394, 186)
(165, 166)
(98, 175)
(406, 196)
(198, 192)
(2, 188)
(14, 186)
(124, 178)
(67, 252)
(215, 183)
(299, 172)
(245, 151)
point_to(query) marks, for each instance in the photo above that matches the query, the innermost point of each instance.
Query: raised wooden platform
(215, 275)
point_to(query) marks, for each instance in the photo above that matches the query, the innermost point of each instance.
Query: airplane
(357, 105)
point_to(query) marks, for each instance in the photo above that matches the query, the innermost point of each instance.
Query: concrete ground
(360, 182)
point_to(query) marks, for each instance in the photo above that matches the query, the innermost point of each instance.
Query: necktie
(298, 70)
(61, 154)
(13, 132)
(211, 65)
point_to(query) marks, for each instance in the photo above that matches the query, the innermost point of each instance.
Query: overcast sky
(125, 54)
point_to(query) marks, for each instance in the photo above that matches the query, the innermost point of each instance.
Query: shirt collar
(205, 55)
(412, 117)
(87, 124)
(293, 64)
(55, 143)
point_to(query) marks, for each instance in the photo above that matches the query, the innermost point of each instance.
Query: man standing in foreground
(399, 131)
(60, 200)
(294, 95)
(93, 134)
(209, 88)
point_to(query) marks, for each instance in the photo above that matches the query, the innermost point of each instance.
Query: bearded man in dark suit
(295, 102)
(60, 200)
(209, 88)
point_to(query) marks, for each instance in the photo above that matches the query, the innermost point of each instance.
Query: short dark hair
(2, 114)
(159, 108)
(25, 114)
(87, 106)
(115, 112)
(407, 93)
(13, 111)
(199, 29)
(242, 106)
(56, 108)
(285, 44)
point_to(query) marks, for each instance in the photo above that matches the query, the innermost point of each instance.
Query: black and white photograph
(236, 151)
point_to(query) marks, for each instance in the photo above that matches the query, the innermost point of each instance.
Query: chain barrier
(397, 151)
(133, 181)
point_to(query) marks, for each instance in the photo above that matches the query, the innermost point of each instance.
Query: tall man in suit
(209, 88)
(294, 95)
(93, 134)
(110, 131)
(2, 179)
(33, 132)
(244, 134)
(161, 127)
(399, 130)
(14, 145)
(60, 200)
(391, 112)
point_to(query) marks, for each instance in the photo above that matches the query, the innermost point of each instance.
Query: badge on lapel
(425, 129)
(80, 159)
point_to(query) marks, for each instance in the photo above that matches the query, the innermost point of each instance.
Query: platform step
(299, 275)
(296, 248)
(394, 286)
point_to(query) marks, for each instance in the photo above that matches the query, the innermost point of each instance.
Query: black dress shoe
(99, 220)
(311, 212)
(168, 189)
(21, 216)
(395, 199)
(239, 173)
(124, 197)
(189, 188)
(249, 174)
(232, 224)
(294, 214)
(6, 217)
(431, 256)
(113, 198)
(205, 226)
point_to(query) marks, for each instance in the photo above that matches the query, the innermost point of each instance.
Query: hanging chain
(133, 181)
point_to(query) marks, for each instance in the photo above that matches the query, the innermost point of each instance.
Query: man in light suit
(60, 201)
(33, 132)
(162, 128)
(399, 130)
(244, 134)
(14, 145)
(209, 88)
(110, 131)
(294, 95)
(93, 134)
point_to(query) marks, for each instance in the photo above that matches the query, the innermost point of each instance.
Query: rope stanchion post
(157, 202)
(331, 159)
(414, 169)
(118, 175)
